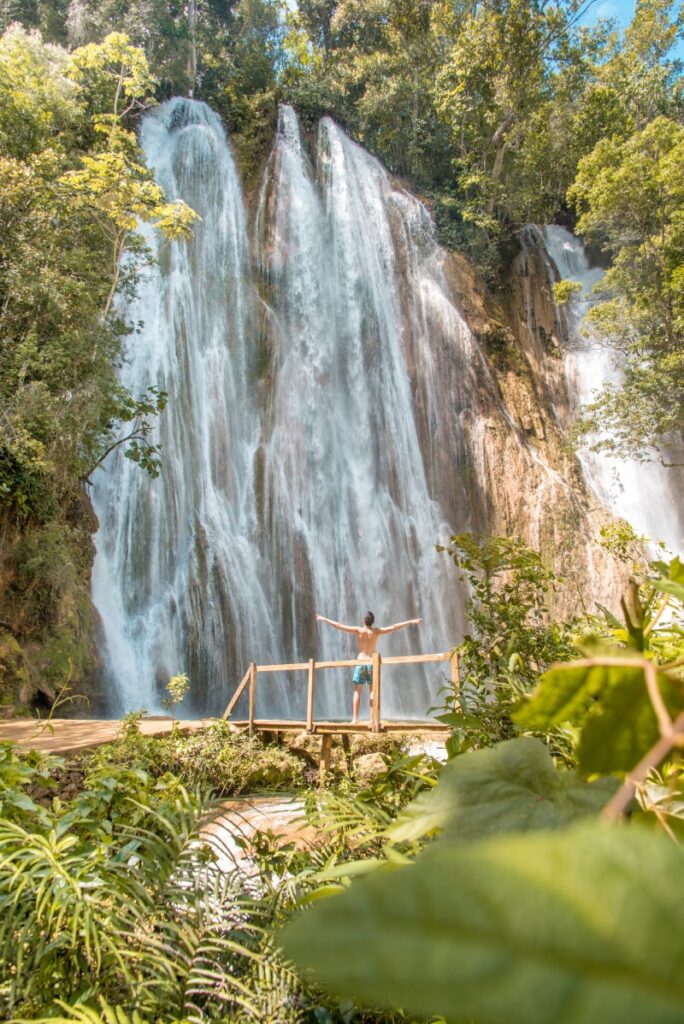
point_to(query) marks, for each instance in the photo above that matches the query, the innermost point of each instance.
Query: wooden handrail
(391, 659)
(311, 667)
(238, 693)
(252, 695)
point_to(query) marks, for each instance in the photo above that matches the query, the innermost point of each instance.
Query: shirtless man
(367, 639)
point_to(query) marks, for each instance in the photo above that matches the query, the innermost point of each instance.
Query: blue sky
(622, 11)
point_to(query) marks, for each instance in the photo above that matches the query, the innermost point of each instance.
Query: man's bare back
(367, 639)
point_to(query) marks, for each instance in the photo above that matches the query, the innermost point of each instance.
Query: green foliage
(216, 758)
(629, 194)
(513, 637)
(619, 695)
(73, 187)
(487, 926)
(494, 91)
(176, 688)
(610, 705)
(227, 54)
(511, 787)
(503, 930)
(563, 291)
(17, 775)
(114, 899)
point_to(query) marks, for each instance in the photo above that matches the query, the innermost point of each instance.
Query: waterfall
(642, 493)
(298, 445)
(177, 575)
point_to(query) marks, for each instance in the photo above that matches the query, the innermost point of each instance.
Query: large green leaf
(581, 925)
(511, 787)
(609, 703)
(670, 587)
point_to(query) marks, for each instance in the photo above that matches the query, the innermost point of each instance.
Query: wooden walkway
(312, 668)
(327, 729)
(73, 735)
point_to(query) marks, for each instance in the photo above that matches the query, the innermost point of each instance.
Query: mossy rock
(16, 686)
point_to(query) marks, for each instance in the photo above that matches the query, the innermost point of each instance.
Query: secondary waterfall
(298, 468)
(642, 493)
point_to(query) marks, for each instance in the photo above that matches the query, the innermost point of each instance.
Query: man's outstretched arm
(399, 625)
(338, 625)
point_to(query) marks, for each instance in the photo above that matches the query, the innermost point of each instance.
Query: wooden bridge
(73, 736)
(328, 729)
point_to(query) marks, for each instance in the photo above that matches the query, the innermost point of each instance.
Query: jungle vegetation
(546, 852)
(537, 872)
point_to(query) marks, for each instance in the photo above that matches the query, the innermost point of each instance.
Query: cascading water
(177, 576)
(331, 417)
(642, 493)
(348, 516)
(295, 478)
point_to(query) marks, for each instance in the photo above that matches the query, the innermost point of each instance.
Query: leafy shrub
(513, 638)
(516, 904)
(217, 758)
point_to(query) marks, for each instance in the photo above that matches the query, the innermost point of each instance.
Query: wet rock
(368, 767)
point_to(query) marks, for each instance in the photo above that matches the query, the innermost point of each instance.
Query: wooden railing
(249, 682)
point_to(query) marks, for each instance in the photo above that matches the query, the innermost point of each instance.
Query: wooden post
(252, 695)
(455, 679)
(346, 744)
(326, 747)
(375, 710)
(310, 696)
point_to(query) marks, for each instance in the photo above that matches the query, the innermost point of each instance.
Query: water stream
(644, 494)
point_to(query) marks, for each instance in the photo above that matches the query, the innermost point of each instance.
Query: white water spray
(642, 493)
(293, 477)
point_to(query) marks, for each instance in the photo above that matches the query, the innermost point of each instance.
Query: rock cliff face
(527, 481)
(48, 641)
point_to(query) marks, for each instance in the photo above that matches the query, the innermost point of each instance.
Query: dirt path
(69, 735)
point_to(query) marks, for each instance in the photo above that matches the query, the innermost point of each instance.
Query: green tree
(630, 195)
(512, 636)
(494, 91)
(73, 188)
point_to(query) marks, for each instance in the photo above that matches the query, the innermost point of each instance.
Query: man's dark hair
(368, 619)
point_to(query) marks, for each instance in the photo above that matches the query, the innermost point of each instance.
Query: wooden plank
(375, 710)
(351, 663)
(416, 728)
(297, 667)
(326, 748)
(289, 725)
(414, 659)
(456, 679)
(252, 695)
(398, 659)
(285, 725)
(311, 685)
(236, 696)
(346, 745)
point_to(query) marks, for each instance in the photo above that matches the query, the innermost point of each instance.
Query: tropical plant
(490, 923)
(118, 897)
(177, 687)
(512, 639)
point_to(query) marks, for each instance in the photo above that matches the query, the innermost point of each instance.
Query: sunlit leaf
(534, 929)
(512, 787)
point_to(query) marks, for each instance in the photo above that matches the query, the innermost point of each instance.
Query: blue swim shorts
(363, 673)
